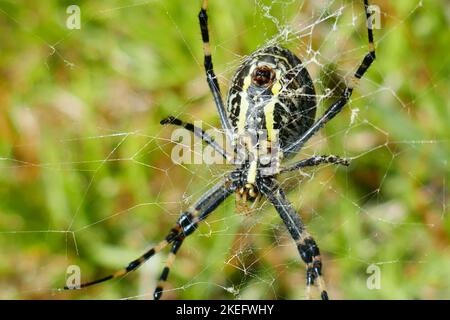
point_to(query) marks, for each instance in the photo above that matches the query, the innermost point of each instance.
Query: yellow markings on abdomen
(270, 120)
(269, 110)
(276, 88)
(251, 176)
(244, 105)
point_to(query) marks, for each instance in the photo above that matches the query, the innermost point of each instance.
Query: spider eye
(263, 76)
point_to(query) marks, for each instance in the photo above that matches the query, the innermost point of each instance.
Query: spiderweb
(88, 177)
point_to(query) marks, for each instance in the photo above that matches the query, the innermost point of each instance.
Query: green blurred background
(86, 176)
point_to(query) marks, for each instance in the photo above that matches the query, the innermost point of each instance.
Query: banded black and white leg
(337, 106)
(135, 264)
(306, 245)
(157, 294)
(187, 223)
(210, 75)
(199, 132)
(315, 161)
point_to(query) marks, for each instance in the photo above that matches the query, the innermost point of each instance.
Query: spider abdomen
(272, 95)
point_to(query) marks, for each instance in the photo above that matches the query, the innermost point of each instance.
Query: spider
(273, 92)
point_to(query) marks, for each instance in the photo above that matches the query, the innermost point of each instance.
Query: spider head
(246, 198)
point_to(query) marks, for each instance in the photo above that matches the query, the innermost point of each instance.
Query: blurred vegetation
(86, 176)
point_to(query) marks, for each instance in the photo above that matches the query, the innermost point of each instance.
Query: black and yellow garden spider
(269, 114)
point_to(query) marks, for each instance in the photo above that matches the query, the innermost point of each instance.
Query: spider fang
(246, 199)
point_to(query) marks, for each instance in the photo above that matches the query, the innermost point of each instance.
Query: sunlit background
(86, 176)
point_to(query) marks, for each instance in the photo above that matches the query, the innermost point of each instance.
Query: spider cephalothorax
(268, 117)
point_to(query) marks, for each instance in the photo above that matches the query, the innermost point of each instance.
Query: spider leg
(199, 133)
(133, 265)
(157, 294)
(307, 247)
(187, 223)
(337, 106)
(210, 75)
(197, 213)
(315, 161)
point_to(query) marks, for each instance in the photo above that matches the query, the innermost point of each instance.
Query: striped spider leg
(306, 245)
(337, 106)
(187, 223)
